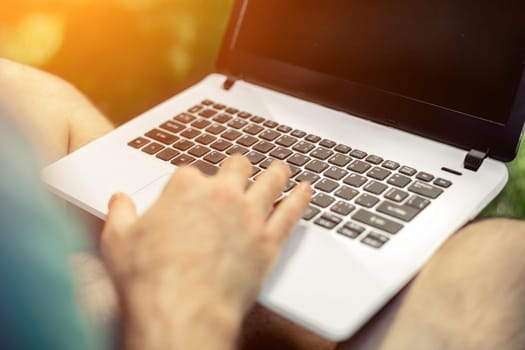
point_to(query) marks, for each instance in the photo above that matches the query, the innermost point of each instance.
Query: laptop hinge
(474, 159)
(228, 83)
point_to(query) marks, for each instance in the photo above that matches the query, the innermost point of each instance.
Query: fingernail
(113, 199)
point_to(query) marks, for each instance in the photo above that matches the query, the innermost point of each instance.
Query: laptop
(401, 115)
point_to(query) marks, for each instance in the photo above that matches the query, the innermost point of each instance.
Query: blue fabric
(37, 302)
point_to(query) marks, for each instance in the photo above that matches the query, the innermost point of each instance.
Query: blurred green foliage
(129, 55)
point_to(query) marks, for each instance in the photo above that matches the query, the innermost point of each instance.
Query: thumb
(122, 214)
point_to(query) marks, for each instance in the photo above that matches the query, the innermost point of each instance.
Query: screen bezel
(465, 131)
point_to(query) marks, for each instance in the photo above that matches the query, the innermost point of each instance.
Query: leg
(471, 295)
(56, 116)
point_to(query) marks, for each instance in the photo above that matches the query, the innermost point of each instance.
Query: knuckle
(225, 191)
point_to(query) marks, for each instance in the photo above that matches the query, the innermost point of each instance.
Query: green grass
(511, 201)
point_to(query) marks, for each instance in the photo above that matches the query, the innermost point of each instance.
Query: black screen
(466, 56)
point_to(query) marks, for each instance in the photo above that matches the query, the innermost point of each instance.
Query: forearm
(161, 322)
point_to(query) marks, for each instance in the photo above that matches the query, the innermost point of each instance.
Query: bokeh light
(126, 55)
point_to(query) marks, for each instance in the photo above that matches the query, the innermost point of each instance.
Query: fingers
(122, 214)
(269, 186)
(287, 214)
(238, 168)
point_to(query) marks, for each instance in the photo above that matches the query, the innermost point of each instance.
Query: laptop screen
(465, 56)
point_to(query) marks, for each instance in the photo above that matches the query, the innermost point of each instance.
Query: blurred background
(129, 55)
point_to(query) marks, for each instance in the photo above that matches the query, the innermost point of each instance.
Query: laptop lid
(448, 70)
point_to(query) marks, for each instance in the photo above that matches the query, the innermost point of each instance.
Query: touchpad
(147, 195)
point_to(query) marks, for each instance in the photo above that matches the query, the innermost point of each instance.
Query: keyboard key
(138, 142)
(321, 153)
(408, 171)
(378, 173)
(366, 200)
(284, 129)
(335, 173)
(231, 135)
(264, 146)
(425, 189)
(255, 157)
(253, 129)
(322, 200)
(255, 171)
(162, 137)
(298, 159)
(183, 159)
(237, 123)
(328, 221)
(207, 102)
(388, 164)
(286, 141)
(201, 124)
(195, 109)
(307, 176)
(396, 195)
(342, 208)
(183, 145)
(270, 124)
(298, 133)
(342, 148)
(375, 187)
(303, 147)
(340, 160)
(236, 149)
(215, 157)
(355, 180)
(208, 113)
(402, 212)
(374, 159)
(289, 186)
(168, 154)
(173, 127)
(244, 115)
(316, 166)
(199, 151)
(269, 135)
(206, 168)
(359, 166)
(216, 129)
(281, 153)
(267, 162)
(326, 185)
(375, 240)
(257, 120)
(313, 138)
(442, 183)
(327, 143)
(310, 213)
(219, 106)
(221, 145)
(153, 148)
(223, 118)
(185, 118)
(346, 193)
(247, 140)
(232, 110)
(418, 202)
(205, 139)
(356, 153)
(190, 133)
(351, 230)
(295, 170)
(399, 180)
(377, 221)
(424, 176)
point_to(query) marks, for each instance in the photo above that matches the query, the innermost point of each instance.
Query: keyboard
(360, 196)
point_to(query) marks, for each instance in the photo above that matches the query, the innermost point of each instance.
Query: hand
(190, 268)
(56, 116)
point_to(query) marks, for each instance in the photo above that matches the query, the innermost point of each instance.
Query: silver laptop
(400, 114)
